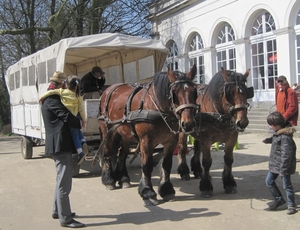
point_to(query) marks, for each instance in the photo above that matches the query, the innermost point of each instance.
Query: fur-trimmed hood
(286, 130)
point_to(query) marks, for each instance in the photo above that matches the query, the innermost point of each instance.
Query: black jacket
(283, 152)
(56, 119)
(89, 83)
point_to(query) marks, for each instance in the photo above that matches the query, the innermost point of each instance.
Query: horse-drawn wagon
(123, 58)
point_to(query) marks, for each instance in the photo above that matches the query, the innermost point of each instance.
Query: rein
(164, 119)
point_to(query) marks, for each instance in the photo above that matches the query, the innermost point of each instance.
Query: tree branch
(26, 30)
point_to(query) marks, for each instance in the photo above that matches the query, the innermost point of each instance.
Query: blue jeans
(287, 186)
(77, 137)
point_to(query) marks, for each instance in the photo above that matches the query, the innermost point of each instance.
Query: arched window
(297, 31)
(226, 57)
(264, 52)
(172, 59)
(196, 57)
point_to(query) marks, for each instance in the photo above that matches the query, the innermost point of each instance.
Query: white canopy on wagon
(123, 58)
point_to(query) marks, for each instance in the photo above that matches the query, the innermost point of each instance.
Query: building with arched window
(260, 35)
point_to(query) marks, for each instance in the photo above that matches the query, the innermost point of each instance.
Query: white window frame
(172, 59)
(196, 56)
(297, 45)
(224, 47)
(264, 71)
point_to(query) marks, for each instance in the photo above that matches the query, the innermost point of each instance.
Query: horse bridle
(232, 108)
(175, 109)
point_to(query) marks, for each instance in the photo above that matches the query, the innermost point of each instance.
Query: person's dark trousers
(63, 164)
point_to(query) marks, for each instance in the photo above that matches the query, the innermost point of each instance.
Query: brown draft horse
(223, 114)
(148, 115)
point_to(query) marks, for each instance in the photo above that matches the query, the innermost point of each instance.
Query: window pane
(298, 18)
(176, 66)
(232, 53)
(298, 49)
(226, 58)
(196, 42)
(172, 56)
(51, 66)
(193, 44)
(298, 65)
(263, 23)
(270, 46)
(196, 57)
(42, 72)
(254, 49)
(17, 76)
(32, 75)
(11, 82)
(24, 76)
(298, 40)
(261, 59)
(270, 24)
(257, 25)
(265, 64)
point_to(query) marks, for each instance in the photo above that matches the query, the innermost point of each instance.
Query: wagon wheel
(26, 147)
(75, 168)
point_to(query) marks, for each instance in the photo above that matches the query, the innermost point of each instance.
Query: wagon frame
(123, 58)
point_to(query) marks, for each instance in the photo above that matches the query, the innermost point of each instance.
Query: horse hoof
(207, 194)
(110, 187)
(197, 175)
(185, 177)
(126, 185)
(170, 197)
(230, 190)
(151, 202)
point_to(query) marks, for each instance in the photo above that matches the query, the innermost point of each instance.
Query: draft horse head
(181, 94)
(231, 87)
(236, 95)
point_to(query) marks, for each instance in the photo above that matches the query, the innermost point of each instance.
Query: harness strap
(149, 116)
(211, 116)
(109, 96)
(147, 87)
(128, 109)
(240, 106)
(189, 105)
(130, 98)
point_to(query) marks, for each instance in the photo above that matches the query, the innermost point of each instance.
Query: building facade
(260, 35)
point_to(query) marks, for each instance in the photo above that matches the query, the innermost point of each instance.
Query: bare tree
(31, 25)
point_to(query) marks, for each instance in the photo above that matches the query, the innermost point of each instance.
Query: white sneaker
(85, 149)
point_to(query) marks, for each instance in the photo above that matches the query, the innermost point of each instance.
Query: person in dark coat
(282, 161)
(59, 144)
(92, 84)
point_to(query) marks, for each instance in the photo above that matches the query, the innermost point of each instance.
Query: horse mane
(215, 87)
(162, 83)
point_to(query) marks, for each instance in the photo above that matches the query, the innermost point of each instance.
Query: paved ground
(26, 194)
